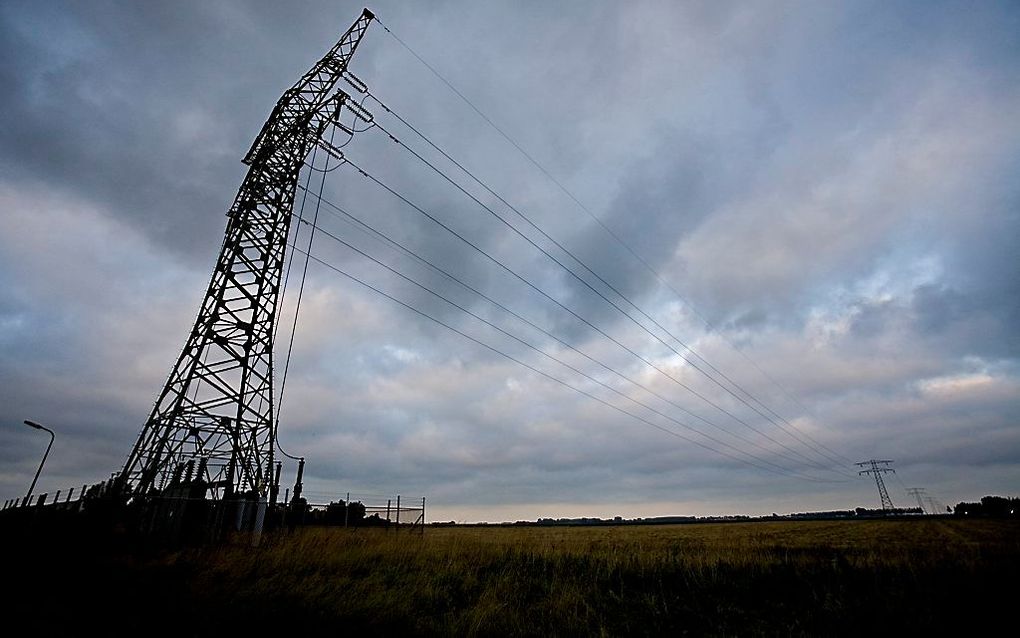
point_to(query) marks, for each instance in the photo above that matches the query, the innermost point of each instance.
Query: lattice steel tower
(877, 471)
(918, 493)
(215, 415)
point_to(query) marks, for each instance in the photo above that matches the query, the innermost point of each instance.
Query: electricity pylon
(217, 407)
(878, 472)
(918, 493)
(937, 507)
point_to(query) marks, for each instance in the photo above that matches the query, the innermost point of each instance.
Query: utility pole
(878, 468)
(218, 404)
(918, 493)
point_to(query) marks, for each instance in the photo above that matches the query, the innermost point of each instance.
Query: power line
(301, 289)
(534, 287)
(792, 432)
(549, 376)
(587, 284)
(381, 236)
(553, 357)
(524, 320)
(658, 276)
(283, 289)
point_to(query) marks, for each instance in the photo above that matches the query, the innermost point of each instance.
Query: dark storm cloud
(144, 108)
(832, 186)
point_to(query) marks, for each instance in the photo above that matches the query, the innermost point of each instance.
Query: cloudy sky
(824, 196)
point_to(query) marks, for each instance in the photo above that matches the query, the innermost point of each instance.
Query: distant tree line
(990, 507)
(341, 513)
(338, 513)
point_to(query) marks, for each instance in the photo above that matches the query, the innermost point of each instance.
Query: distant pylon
(936, 506)
(877, 471)
(918, 493)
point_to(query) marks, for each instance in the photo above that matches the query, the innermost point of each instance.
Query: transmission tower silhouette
(937, 507)
(217, 407)
(875, 468)
(918, 493)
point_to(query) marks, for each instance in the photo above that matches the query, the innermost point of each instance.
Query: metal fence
(392, 512)
(181, 514)
(73, 498)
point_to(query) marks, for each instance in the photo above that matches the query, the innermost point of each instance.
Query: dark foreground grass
(782, 578)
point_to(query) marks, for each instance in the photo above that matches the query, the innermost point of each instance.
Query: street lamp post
(33, 424)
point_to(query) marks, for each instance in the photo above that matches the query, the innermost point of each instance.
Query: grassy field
(787, 578)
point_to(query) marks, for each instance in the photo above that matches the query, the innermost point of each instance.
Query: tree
(355, 513)
(341, 513)
(990, 507)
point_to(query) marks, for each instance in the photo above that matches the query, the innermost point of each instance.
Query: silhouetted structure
(217, 407)
(918, 493)
(878, 471)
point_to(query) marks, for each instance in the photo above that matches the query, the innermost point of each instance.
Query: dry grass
(788, 578)
(806, 578)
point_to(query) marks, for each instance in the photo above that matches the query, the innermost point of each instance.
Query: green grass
(786, 578)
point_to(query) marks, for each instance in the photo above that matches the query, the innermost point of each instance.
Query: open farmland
(798, 578)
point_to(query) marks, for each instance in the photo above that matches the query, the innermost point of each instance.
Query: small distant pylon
(937, 507)
(918, 493)
(875, 468)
